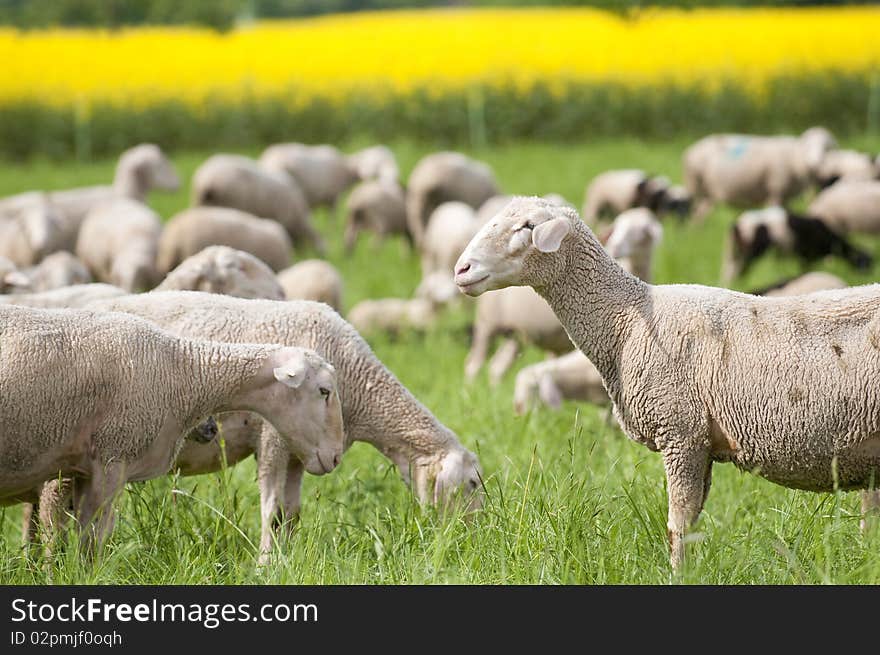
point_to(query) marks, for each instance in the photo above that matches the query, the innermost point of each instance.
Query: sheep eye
(527, 226)
(324, 392)
(473, 484)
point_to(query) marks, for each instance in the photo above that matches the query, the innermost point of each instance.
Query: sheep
(376, 407)
(219, 269)
(675, 200)
(312, 279)
(745, 170)
(806, 283)
(31, 232)
(569, 376)
(77, 296)
(615, 191)
(755, 232)
(635, 234)
(849, 206)
(322, 172)
(241, 183)
(392, 315)
(442, 177)
(846, 165)
(377, 206)
(192, 230)
(438, 288)
(60, 269)
(118, 242)
(11, 279)
(110, 397)
(778, 386)
(140, 169)
(375, 163)
(449, 229)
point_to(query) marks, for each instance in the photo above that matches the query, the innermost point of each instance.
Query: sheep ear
(293, 372)
(548, 236)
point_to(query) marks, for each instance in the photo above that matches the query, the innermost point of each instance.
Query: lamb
(377, 206)
(30, 233)
(615, 191)
(392, 314)
(312, 279)
(60, 269)
(746, 171)
(192, 230)
(442, 177)
(778, 386)
(110, 397)
(376, 407)
(375, 163)
(240, 183)
(806, 283)
(756, 232)
(849, 206)
(846, 165)
(77, 296)
(219, 269)
(118, 242)
(140, 169)
(322, 172)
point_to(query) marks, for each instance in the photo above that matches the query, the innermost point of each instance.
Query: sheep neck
(127, 184)
(595, 299)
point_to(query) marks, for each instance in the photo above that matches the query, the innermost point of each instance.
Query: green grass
(570, 499)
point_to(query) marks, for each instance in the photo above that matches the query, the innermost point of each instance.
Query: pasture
(569, 498)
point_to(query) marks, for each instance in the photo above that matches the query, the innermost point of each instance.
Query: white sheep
(375, 163)
(449, 229)
(376, 407)
(322, 172)
(442, 177)
(107, 398)
(241, 183)
(778, 386)
(60, 269)
(615, 191)
(31, 232)
(746, 171)
(140, 169)
(849, 165)
(313, 279)
(77, 296)
(377, 206)
(118, 243)
(192, 230)
(849, 206)
(220, 269)
(11, 279)
(392, 315)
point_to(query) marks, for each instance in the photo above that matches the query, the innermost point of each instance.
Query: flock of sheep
(102, 384)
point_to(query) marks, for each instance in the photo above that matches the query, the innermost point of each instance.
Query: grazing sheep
(60, 269)
(571, 376)
(676, 200)
(392, 315)
(322, 172)
(118, 242)
(110, 397)
(756, 232)
(140, 169)
(613, 192)
(30, 233)
(77, 296)
(375, 163)
(450, 228)
(312, 279)
(219, 269)
(376, 407)
(806, 283)
(438, 288)
(849, 206)
(377, 206)
(848, 165)
(442, 177)
(192, 230)
(635, 234)
(11, 279)
(240, 183)
(746, 171)
(778, 386)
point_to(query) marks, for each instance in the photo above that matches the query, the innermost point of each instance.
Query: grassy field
(569, 498)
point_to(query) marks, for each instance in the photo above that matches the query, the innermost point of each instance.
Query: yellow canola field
(441, 50)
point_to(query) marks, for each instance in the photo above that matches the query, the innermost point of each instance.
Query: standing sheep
(449, 229)
(848, 165)
(240, 183)
(118, 243)
(613, 192)
(392, 315)
(375, 163)
(322, 172)
(219, 269)
(110, 397)
(313, 279)
(747, 171)
(778, 386)
(192, 230)
(376, 407)
(377, 206)
(849, 206)
(442, 177)
(30, 233)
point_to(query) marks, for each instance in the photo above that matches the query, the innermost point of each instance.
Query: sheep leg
(502, 360)
(870, 508)
(54, 507)
(477, 355)
(292, 489)
(94, 504)
(29, 514)
(687, 480)
(271, 467)
(351, 236)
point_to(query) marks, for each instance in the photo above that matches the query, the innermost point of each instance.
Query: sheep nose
(335, 461)
(464, 268)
